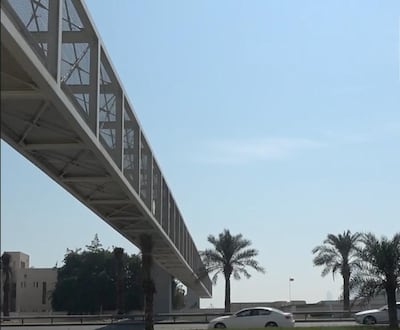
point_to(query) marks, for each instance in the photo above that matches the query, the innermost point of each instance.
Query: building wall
(18, 260)
(34, 289)
(31, 288)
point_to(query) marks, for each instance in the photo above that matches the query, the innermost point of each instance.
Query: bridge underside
(115, 175)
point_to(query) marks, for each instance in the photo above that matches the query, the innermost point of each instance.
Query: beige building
(31, 288)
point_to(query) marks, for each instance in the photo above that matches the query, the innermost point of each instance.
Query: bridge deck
(63, 107)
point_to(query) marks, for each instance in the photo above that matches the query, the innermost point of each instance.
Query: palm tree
(119, 270)
(380, 271)
(6, 269)
(230, 256)
(146, 246)
(339, 253)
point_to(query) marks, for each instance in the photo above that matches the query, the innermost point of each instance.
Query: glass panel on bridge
(171, 232)
(156, 204)
(34, 16)
(145, 172)
(165, 207)
(131, 148)
(110, 111)
(70, 17)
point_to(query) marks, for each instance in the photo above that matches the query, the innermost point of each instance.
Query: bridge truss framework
(64, 108)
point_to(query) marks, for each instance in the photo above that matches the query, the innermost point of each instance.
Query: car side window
(254, 312)
(264, 312)
(244, 313)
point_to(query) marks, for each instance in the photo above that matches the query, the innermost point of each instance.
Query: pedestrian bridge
(64, 108)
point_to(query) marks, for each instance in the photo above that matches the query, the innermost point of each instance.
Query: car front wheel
(271, 324)
(369, 320)
(219, 326)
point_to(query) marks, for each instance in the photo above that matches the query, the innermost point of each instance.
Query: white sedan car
(374, 316)
(256, 317)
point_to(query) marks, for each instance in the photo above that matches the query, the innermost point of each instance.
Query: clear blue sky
(279, 120)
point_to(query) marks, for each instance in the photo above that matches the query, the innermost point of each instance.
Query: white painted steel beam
(125, 218)
(87, 179)
(109, 201)
(54, 146)
(21, 95)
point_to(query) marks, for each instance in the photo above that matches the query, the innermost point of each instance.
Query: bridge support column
(163, 295)
(192, 299)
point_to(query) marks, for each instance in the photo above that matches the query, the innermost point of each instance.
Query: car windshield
(383, 308)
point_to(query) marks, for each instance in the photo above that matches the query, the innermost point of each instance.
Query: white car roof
(259, 307)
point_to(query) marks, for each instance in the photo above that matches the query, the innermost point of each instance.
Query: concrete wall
(163, 296)
(31, 288)
(18, 260)
(192, 300)
(34, 289)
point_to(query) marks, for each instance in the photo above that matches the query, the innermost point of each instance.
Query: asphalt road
(158, 326)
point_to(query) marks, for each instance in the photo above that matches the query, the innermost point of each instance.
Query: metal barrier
(162, 318)
(323, 316)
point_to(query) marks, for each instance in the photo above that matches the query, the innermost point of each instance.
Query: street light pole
(291, 279)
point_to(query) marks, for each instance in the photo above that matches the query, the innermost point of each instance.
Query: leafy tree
(87, 282)
(339, 254)
(149, 289)
(89, 277)
(95, 245)
(380, 271)
(230, 256)
(133, 293)
(6, 270)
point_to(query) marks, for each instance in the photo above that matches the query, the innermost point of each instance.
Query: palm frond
(379, 265)
(243, 255)
(231, 255)
(215, 277)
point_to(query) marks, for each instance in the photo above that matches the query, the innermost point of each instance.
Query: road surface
(157, 326)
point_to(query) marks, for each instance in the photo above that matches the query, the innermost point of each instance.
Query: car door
(383, 315)
(257, 318)
(244, 319)
(264, 316)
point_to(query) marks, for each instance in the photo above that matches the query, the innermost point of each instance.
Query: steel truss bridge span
(64, 108)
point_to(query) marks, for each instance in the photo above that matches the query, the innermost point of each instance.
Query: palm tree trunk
(346, 293)
(119, 254)
(6, 269)
(227, 293)
(146, 246)
(391, 300)
(6, 295)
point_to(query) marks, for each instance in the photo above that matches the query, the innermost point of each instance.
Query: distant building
(31, 288)
(324, 305)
